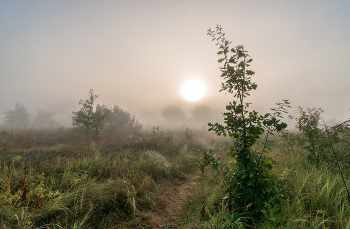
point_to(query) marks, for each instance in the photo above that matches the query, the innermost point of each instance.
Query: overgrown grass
(319, 196)
(72, 180)
(315, 196)
(69, 180)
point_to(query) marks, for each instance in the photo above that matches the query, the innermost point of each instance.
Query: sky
(138, 54)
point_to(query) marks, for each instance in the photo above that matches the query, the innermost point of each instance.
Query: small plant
(248, 177)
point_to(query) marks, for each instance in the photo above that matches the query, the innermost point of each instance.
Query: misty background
(137, 55)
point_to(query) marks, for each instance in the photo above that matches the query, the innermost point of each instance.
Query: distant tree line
(20, 118)
(90, 117)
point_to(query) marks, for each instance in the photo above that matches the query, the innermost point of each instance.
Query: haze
(138, 54)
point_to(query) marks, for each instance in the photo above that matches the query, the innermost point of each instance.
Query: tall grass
(84, 182)
(314, 196)
(319, 198)
(78, 181)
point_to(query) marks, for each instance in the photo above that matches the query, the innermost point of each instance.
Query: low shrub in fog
(103, 117)
(120, 119)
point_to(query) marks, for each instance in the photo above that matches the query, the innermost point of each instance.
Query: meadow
(68, 178)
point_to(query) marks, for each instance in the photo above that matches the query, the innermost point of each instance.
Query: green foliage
(17, 118)
(317, 197)
(120, 119)
(102, 117)
(249, 175)
(338, 137)
(88, 116)
(308, 125)
(318, 139)
(321, 142)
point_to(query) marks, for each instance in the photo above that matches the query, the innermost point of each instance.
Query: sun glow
(193, 90)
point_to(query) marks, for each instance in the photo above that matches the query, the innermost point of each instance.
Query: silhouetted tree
(17, 118)
(44, 119)
(174, 115)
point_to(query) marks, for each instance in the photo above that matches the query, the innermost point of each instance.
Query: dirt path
(175, 198)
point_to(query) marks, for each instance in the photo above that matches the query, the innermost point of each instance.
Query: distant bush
(44, 119)
(119, 119)
(102, 117)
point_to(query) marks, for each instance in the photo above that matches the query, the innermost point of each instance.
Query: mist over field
(139, 54)
(105, 107)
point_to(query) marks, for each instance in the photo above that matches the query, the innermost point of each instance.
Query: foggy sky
(137, 54)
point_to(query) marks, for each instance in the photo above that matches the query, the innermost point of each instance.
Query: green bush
(120, 119)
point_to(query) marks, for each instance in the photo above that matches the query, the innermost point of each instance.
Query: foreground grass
(315, 197)
(65, 179)
(61, 179)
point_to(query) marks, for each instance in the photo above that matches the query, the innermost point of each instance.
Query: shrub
(44, 119)
(120, 119)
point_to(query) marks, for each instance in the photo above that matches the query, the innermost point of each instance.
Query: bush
(120, 119)
(102, 117)
(44, 119)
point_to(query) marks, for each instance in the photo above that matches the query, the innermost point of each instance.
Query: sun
(193, 90)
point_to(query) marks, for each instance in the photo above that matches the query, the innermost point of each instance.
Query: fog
(137, 55)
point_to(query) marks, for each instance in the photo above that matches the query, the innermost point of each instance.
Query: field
(67, 178)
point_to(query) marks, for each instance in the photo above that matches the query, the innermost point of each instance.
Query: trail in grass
(175, 198)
